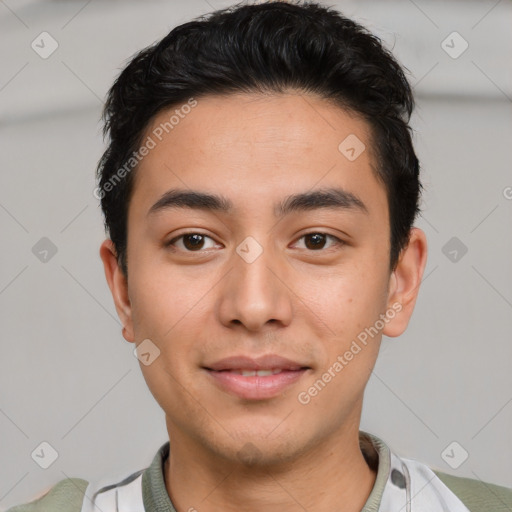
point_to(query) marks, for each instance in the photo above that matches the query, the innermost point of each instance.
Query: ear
(404, 282)
(118, 285)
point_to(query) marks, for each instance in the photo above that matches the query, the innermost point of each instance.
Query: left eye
(317, 241)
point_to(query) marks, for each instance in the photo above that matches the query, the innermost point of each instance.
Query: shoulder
(478, 496)
(65, 496)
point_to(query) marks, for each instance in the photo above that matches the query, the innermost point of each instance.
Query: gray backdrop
(441, 393)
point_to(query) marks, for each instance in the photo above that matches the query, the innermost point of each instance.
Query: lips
(254, 373)
(255, 378)
(266, 362)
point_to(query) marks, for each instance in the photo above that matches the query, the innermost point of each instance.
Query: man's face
(267, 277)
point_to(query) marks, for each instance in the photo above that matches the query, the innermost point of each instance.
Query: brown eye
(191, 242)
(318, 241)
(315, 240)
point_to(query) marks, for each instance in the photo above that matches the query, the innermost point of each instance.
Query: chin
(257, 450)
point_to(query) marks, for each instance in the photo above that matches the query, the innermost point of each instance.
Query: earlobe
(405, 282)
(118, 284)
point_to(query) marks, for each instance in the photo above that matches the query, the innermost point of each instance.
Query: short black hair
(270, 47)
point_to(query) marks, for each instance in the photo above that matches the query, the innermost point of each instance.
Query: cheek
(162, 297)
(350, 298)
(350, 304)
(171, 310)
(351, 312)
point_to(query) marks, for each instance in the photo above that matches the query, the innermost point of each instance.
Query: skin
(306, 304)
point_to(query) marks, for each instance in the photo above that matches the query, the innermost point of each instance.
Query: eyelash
(337, 241)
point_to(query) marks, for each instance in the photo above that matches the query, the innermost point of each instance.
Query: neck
(328, 477)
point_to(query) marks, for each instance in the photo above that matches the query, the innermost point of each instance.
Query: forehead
(256, 148)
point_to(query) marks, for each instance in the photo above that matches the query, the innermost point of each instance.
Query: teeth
(259, 373)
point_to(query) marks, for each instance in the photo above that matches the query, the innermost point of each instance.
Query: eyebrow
(329, 198)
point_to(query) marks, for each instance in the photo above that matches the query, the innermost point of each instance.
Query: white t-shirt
(402, 485)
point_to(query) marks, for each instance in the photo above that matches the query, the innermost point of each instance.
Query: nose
(255, 293)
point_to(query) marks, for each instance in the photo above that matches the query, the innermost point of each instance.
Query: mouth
(255, 378)
(255, 373)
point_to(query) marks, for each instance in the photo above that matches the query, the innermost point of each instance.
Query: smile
(255, 384)
(252, 373)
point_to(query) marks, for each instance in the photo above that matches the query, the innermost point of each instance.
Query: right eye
(191, 242)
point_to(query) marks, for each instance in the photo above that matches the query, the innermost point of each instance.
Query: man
(259, 190)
